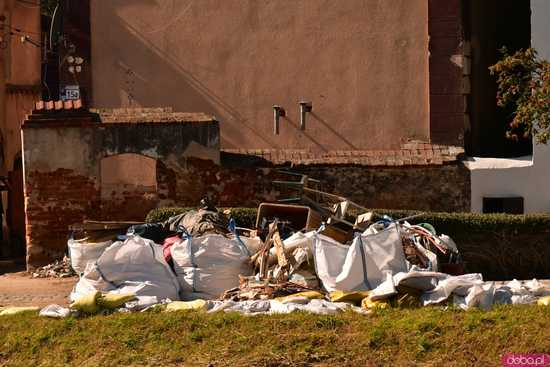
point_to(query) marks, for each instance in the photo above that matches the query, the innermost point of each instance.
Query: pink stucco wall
(362, 63)
(19, 67)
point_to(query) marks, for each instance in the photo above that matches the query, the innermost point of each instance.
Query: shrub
(244, 217)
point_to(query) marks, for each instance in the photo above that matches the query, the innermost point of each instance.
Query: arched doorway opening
(128, 186)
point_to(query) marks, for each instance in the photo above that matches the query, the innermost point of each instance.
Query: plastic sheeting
(207, 266)
(259, 307)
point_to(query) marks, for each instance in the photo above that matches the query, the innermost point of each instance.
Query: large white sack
(362, 266)
(137, 264)
(339, 267)
(208, 265)
(83, 252)
(383, 254)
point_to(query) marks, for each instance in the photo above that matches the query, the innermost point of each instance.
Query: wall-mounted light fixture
(278, 112)
(305, 107)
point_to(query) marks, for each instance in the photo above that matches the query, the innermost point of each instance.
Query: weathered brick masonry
(63, 180)
(444, 187)
(62, 159)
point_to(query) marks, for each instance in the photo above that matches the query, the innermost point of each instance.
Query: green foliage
(244, 217)
(161, 214)
(524, 82)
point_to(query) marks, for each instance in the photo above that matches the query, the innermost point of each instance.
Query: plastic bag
(87, 303)
(351, 297)
(196, 305)
(114, 300)
(308, 294)
(15, 310)
(55, 311)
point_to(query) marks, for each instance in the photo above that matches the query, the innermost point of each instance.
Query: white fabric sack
(385, 289)
(206, 266)
(362, 266)
(253, 244)
(83, 252)
(90, 281)
(419, 279)
(339, 267)
(136, 264)
(383, 253)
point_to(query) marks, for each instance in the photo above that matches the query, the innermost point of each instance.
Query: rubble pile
(322, 254)
(57, 269)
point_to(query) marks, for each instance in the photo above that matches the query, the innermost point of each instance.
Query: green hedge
(500, 246)
(245, 217)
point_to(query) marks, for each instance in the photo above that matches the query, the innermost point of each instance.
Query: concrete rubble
(58, 269)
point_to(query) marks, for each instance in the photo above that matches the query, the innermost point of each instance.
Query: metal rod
(305, 107)
(278, 112)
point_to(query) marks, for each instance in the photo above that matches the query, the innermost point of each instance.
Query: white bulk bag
(208, 265)
(83, 252)
(362, 266)
(383, 253)
(136, 264)
(339, 267)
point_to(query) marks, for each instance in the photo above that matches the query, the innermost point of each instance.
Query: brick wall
(54, 200)
(239, 182)
(447, 66)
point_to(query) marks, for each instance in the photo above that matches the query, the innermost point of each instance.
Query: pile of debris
(57, 269)
(316, 252)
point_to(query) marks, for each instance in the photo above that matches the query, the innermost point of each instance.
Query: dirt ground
(20, 289)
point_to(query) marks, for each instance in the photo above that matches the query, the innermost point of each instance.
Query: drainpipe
(305, 107)
(278, 112)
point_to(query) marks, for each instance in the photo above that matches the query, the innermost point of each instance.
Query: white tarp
(458, 285)
(136, 266)
(206, 266)
(366, 264)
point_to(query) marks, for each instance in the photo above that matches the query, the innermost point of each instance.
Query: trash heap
(314, 254)
(57, 269)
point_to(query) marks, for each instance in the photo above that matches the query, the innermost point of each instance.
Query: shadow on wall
(188, 94)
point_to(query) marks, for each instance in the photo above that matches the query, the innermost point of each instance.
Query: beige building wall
(362, 63)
